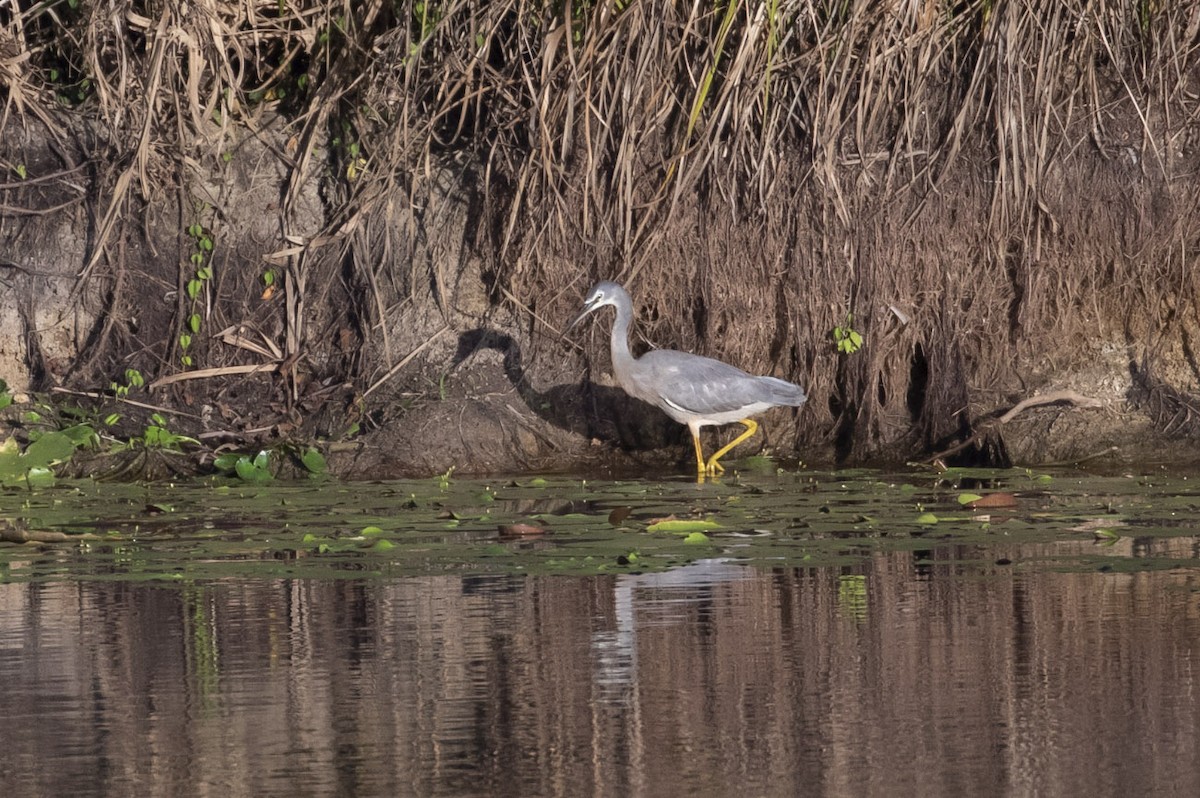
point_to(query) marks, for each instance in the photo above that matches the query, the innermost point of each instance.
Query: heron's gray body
(692, 389)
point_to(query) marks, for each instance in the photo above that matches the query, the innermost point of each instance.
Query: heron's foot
(714, 467)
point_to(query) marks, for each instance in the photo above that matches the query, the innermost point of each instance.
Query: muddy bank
(366, 233)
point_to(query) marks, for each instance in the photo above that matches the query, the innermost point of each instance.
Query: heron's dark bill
(579, 318)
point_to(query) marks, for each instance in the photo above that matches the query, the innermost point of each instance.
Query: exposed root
(986, 438)
(1174, 412)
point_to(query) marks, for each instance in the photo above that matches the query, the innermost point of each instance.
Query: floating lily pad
(683, 525)
(219, 528)
(618, 515)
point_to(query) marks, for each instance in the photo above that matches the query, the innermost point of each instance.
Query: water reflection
(937, 673)
(683, 595)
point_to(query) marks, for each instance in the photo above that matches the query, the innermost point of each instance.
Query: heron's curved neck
(622, 357)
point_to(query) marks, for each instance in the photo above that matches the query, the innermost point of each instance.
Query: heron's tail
(783, 392)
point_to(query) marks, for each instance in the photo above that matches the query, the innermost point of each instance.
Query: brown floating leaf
(618, 515)
(654, 521)
(511, 531)
(994, 500)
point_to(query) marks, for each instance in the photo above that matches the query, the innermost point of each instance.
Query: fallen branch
(1054, 397)
(202, 374)
(134, 402)
(407, 359)
(12, 534)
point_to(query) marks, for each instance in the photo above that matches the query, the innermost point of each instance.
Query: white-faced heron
(693, 390)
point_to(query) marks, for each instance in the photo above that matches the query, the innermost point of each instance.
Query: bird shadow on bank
(595, 412)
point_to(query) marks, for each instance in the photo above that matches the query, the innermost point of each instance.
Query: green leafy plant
(157, 436)
(6, 397)
(56, 421)
(356, 163)
(312, 459)
(201, 259)
(248, 468)
(425, 18)
(33, 467)
(133, 379)
(350, 151)
(847, 339)
(257, 467)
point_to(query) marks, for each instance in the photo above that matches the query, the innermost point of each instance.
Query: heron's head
(603, 293)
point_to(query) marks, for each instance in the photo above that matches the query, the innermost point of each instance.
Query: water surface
(801, 650)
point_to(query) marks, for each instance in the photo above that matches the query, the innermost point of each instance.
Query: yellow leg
(751, 427)
(699, 450)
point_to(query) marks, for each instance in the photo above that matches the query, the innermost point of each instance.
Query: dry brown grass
(1002, 174)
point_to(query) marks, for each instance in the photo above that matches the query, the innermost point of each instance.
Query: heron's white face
(600, 295)
(597, 298)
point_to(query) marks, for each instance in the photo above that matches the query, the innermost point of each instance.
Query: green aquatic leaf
(927, 518)
(696, 537)
(683, 525)
(82, 435)
(227, 462)
(314, 461)
(256, 470)
(233, 529)
(967, 498)
(39, 477)
(368, 531)
(50, 448)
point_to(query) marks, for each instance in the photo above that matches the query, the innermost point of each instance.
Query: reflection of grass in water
(852, 596)
(213, 530)
(201, 648)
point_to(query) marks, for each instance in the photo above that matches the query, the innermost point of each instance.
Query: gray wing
(702, 385)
